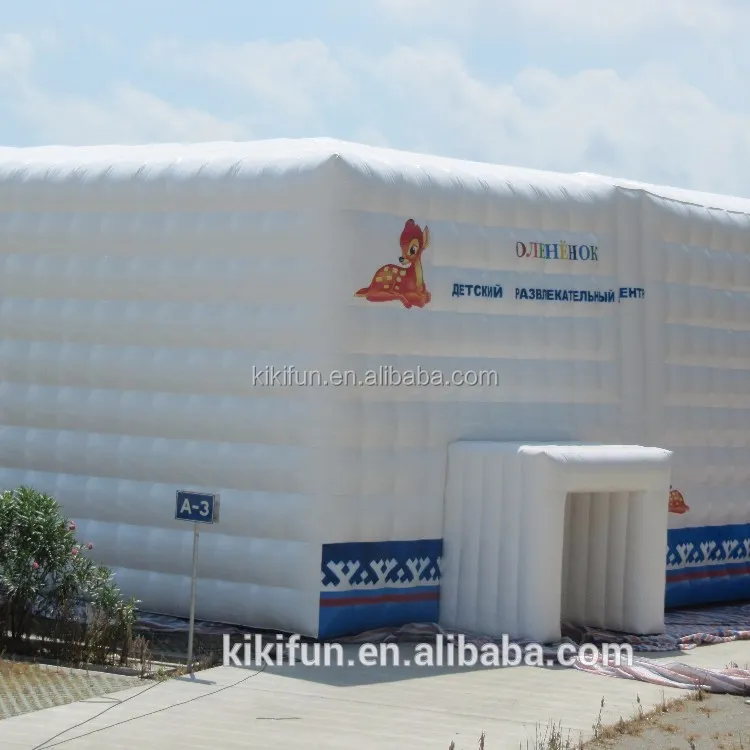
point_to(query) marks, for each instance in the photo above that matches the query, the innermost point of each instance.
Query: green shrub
(45, 572)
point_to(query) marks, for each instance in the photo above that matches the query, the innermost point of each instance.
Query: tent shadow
(345, 666)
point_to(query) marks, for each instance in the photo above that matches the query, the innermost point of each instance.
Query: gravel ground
(31, 687)
(719, 722)
(27, 687)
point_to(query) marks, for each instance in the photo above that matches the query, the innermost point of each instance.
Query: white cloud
(126, 115)
(651, 125)
(16, 59)
(618, 16)
(292, 79)
(608, 17)
(123, 115)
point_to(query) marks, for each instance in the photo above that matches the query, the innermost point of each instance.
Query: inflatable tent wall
(165, 309)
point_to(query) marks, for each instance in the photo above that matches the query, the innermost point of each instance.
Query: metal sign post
(195, 507)
(194, 576)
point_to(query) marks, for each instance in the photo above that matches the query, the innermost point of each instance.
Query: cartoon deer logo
(677, 502)
(404, 283)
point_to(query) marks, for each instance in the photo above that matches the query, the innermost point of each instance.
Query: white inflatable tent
(145, 290)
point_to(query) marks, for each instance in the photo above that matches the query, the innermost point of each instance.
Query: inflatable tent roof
(298, 156)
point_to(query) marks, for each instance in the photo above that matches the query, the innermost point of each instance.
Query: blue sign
(197, 507)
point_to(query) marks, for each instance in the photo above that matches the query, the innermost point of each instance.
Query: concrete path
(377, 708)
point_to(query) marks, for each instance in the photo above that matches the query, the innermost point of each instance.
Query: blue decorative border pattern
(368, 585)
(707, 564)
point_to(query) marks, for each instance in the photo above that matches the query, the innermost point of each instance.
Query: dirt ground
(715, 722)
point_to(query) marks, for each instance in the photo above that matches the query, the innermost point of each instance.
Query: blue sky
(654, 90)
